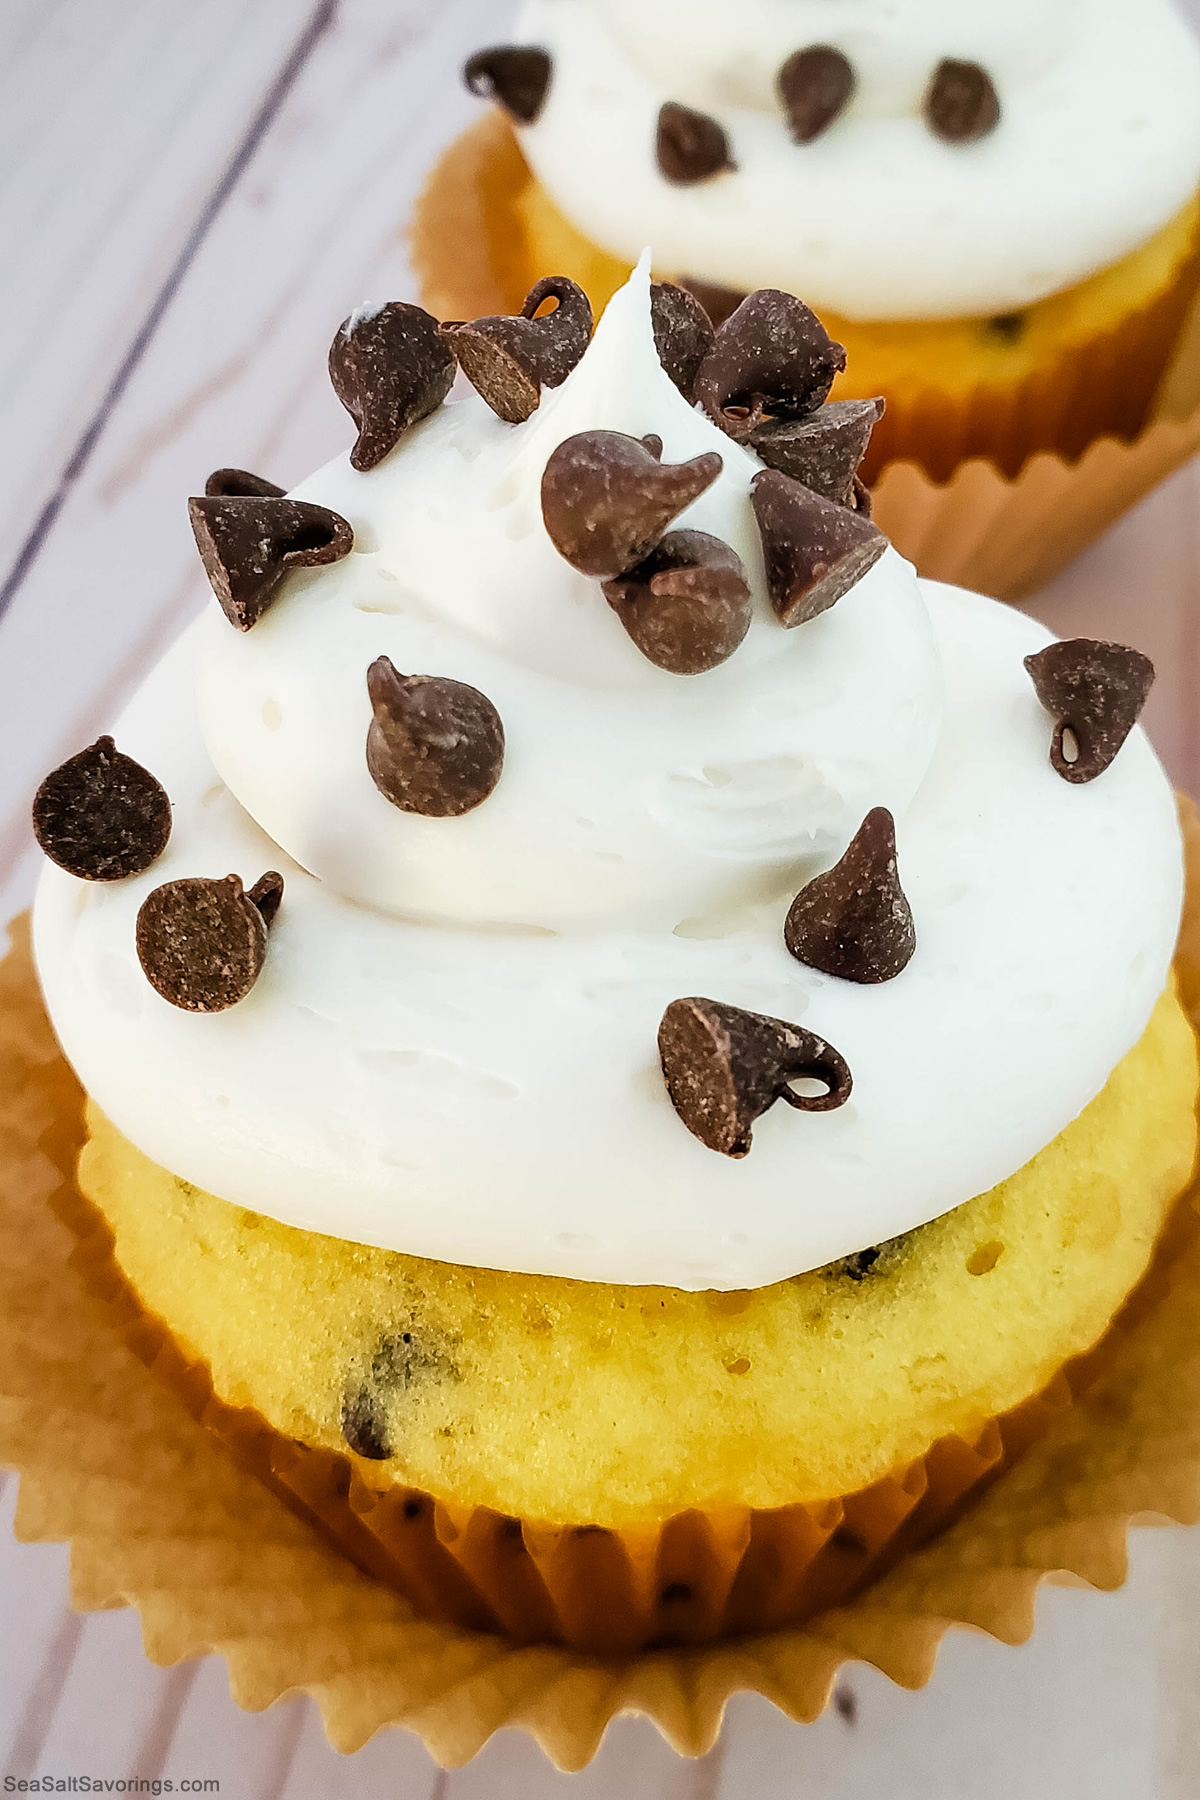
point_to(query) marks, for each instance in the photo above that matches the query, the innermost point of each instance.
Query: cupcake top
(590, 850)
(887, 159)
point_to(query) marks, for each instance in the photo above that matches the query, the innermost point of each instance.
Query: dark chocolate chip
(201, 943)
(390, 367)
(823, 450)
(856, 1267)
(718, 302)
(403, 1361)
(961, 104)
(607, 500)
(815, 550)
(772, 359)
(101, 816)
(267, 895)
(687, 605)
(692, 147)
(814, 85)
(435, 746)
(364, 1423)
(683, 333)
(240, 484)
(855, 920)
(510, 359)
(516, 76)
(1008, 328)
(1094, 692)
(249, 543)
(724, 1067)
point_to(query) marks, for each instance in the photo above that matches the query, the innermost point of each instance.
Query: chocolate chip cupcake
(630, 1041)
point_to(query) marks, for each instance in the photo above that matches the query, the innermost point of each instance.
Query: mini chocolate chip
(248, 544)
(267, 895)
(516, 76)
(201, 943)
(390, 368)
(676, 1593)
(435, 746)
(607, 500)
(1009, 328)
(364, 1423)
(858, 1266)
(414, 1508)
(692, 147)
(961, 104)
(1094, 691)
(772, 358)
(683, 333)
(724, 1067)
(823, 450)
(815, 85)
(855, 920)
(815, 550)
(101, 816)
(403, 1360)
(718, 302)
(687, 605)
(240, 484)
(510, 359)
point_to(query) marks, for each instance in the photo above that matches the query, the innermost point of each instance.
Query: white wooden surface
(193, 193)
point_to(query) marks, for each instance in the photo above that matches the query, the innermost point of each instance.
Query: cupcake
(996, 215)
(630, 1041)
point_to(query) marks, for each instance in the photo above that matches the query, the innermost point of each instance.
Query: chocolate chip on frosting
(683, 333)
(854, 920)
(248, 544)
(435, 746)
(516, 76)
(687, 605)
(1094, 692)
(202, 944)
(240, 484)
(815, 550)
(772, 359)
(101, 816)
(390, 368)
(814, 85)
(267, 895)
(823, 450)
(691, 147)
(607, 500)
(961, 103)
(724, 1067)
(510, 359)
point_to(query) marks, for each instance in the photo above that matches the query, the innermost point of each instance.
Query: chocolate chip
(692, 147)
(772, 359)
(1008, 328)
(718, 302)
(823, 450)
(961, 104)
(815, 550)
(101, 816)
(267, 895)
(240, 484)
(248, 544)
(860, 499)
(724, 1067)
(683, 333)
(403, 1361)
(364, 1423)
(856, 1267)
(814, 85)
(687, 605)
(855, 920)
(516, 76)
(607, 500)
(654, 444)
(390, 368)
(435, 746)
(201, 943)
(1094, 692)
(509, 360)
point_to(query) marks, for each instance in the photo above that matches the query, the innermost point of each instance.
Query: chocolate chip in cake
(824, 449)
(248, 543)
(435, 746)
(202, 944)
(1094, 692)
(691, 146)
(724, 1067)
(687, 605)
(390, 367)
(101, 816)
(403, 1361)
(961, 103)
(240, 484)
(683, 333)
(509, 359)
(1007, 328)
(814, 85)
(607, 500)
(854, 920)
(516, 76)
(815, 551)
(771, 359)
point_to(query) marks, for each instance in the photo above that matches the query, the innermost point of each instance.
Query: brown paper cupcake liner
(1003, 522)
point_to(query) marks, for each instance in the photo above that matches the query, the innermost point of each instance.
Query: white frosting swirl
(451, 1050)
(1097, 147)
